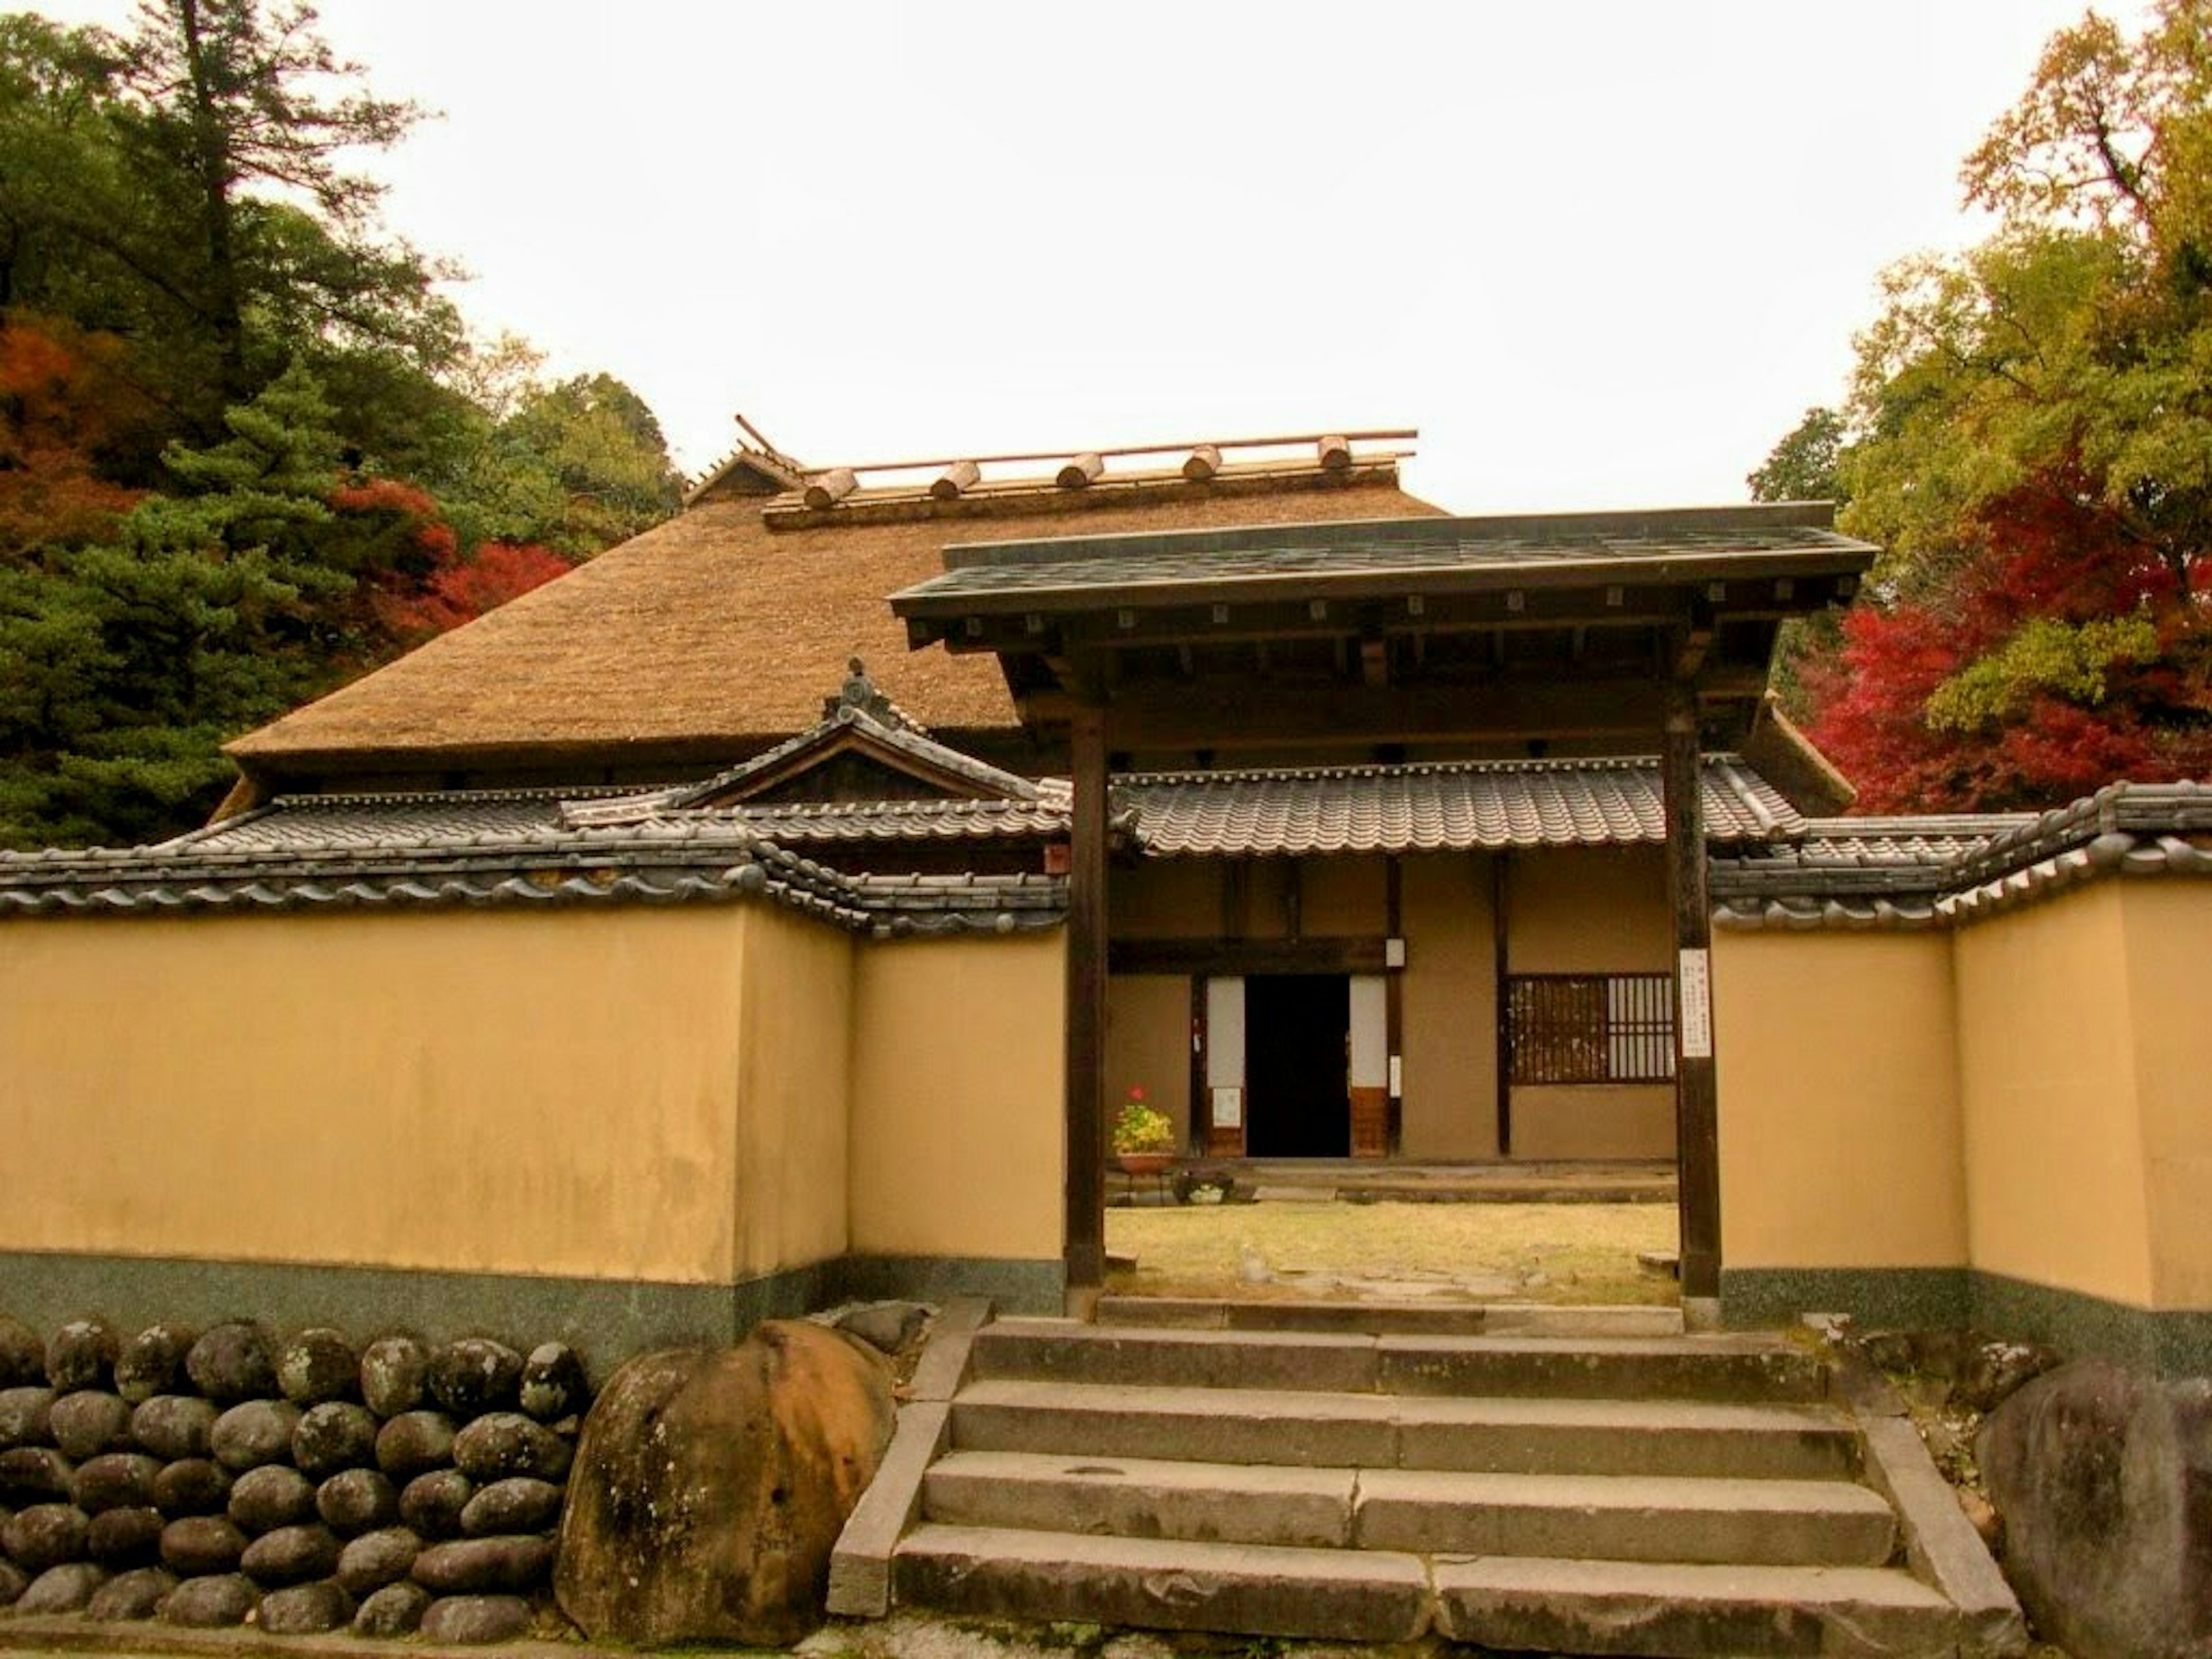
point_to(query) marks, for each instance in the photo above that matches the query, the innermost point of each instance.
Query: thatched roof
(716, 633)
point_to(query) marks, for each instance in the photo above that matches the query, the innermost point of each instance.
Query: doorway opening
(1296, 1060)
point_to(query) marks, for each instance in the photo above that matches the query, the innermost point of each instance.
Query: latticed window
(1589, 1028)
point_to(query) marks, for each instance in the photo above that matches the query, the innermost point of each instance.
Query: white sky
(1602, 253)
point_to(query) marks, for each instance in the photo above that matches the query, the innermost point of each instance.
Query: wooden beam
(956, 476)
(1697, 1126)
(826, 489)
(1085, 1193)
(1202, 462)
(1220, 958)
(1334, 453)
(1082, 471)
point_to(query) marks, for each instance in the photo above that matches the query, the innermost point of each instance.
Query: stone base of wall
(604, 1320)
(2170, 1343)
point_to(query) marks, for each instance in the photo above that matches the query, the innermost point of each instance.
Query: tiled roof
(1460, 807)
(332, 822)
(1610, 547)
(1936, 871)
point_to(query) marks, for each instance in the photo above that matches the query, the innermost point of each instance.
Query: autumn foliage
(65, 409)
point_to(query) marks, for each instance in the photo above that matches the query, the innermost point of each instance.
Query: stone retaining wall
(223, 1477)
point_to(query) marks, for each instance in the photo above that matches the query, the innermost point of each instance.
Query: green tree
(1803, 466)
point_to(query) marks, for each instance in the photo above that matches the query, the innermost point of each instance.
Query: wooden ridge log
(826, 489)
(1336, 452)
(1081, 472)
(1204, 462)
(956, 476)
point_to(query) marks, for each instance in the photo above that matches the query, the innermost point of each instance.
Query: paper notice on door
(1228, 1109)
(1696, 981)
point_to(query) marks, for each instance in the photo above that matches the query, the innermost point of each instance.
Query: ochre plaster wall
(2168, 927)
(549, 1093)
(2056, 1151)
(794, 1083)
(957, 1086)
(1839, 1110)
(1148, 1045)
(1344, 897)
(1449, 1008)
(1166, 898)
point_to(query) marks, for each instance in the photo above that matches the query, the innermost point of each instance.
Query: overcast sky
(1602, 253)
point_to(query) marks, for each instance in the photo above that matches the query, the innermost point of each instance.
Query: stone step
(1389, 1318)
(1718, 1368)
(1677, 1612)
(1245, 1590)
(1648, 1518)
(1410, 1432)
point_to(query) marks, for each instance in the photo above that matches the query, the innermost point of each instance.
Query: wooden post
(1501, 957)
(1697, 1126)
(1085, 1195)
(1393, 1005)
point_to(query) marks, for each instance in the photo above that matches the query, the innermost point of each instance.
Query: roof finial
(859, 693)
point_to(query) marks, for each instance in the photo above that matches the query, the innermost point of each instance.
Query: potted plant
(1144, 1140)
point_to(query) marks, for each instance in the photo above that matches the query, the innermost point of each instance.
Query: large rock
(306, 1609)
(90, 1422)
(334, 1436)
(138, 1594)
(711, 1486)
(232, 1362)
(22, 1355)
(116, 1480)
(319, 1365)
(432, 1504)
(397, 1609)
(377, 1559)
(34, 1474)
(291, 1555)
(64, 1589)
(474, 1375)
(271, 1496)
(395, 1371)
(45, 1535)
(356, 1501)
(192, 1485)
(415, 1442)
(475, 1620)
(200, 1545)
(153, 1362)
(175, 1425)
(2102, 1479)
(553, 1382)
(122, 1539)
(210, 1603)
(27, 1416)
(501, 1444)
(81, 1355)
(14, 1581)
(514, 1505)
(258, 1431)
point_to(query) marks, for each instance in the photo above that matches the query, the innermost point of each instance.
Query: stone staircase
(1530, 1490)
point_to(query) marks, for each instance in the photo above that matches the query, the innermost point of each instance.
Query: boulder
(232, 1362)
(397, 1609)
(14, 1581)
(27, 1416)
(333, 1436)
(306, 1609)
(153, 1362)
(475, 1620)
(82, 1356)
(90, 1422)
(202, 1544)
(138, 1594)
(317, 1365)
(415, 1442)
(121, 1539)
(212, 1603)
(291, 1555)
(258, 1431)
(175, 1425)
(193, 1485)
(46, 1535)
(62, 1588)
(432, 1504)
(377, 1559)
(395, 1373)
(2101, 1476)
(356, 1501)
(553, 1383)
(888, 1327)
(22, 1355)
(1995, 1371)
(34, 1474)
(272, 1496)
(519, 1504)
(711, 1484)
(503, 1443)
(116, 1480)
(474, 1375)
(483, 1566)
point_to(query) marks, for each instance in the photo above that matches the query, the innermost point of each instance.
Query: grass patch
(1571, 1253)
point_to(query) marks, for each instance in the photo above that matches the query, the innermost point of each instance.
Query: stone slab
(1619, 1437)
(1218, 1425)
(1942, 1546)
(860, 1563)
(1176, 1358)
(1144, 1498)
(1727, 1368)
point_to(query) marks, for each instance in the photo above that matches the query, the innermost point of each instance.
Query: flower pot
(1142, 1164)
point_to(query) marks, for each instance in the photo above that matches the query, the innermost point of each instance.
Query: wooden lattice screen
(1589, 1028)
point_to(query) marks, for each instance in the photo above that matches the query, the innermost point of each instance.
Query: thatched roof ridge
(712, 635)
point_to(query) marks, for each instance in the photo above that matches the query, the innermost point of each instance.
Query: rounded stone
(474, 1375)
(193, 1485)
(394, 1610)
(553, 1383)
(81, 1355)
(27, 1416)
(306, 1609)
(138, 1594)
(45, 1535)
(432, 1504)
(356, 1501)
(34, 1474)
(317, 1365)
(889, 1325)
(291, 1555)
(14, 1581)
(125, 1538)
(377, 1559)
(711, 1486)
(333, 1436)
(260, 1431)
(504, 1444)
(212, 1603)
(22, 1355)
(475, 1620)
(519, 1504)
(201, 1544)
(272, 1496)
(232, 1362)
(62, 1588)
(174, 1425)
(395, 1371)
(415, 1442)
(153, 1362)
(484, 1566)
(116, 1480)
(91, 1421)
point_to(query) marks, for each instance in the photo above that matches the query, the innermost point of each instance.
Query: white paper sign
(1697, 1012)
(1228, 1109)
